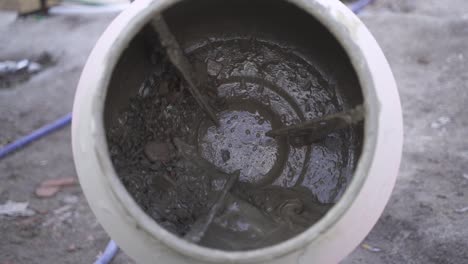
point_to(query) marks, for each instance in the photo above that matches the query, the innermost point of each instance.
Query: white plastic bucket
(329, 240)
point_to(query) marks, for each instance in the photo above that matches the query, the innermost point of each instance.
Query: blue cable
(359, 5)
(109, 253)
(35, 135)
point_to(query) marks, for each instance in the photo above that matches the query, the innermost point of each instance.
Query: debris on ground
(62, 209)
(14, 209)
(465, 175)
(14, 67)
(13, 71)
(70, 199)
(370, 248)
(29, 221)
(50, 187)
(462, 210)
(72, 248)
(60, 215)
(441, 122)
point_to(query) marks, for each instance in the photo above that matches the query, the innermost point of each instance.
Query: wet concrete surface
(426, 46)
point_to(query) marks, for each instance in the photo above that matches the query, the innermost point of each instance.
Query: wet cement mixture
(230, 186)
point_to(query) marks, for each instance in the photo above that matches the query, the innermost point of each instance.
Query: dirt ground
(426, 44)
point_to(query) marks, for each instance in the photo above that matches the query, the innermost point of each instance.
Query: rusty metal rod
(180, 61)
(198, 230)
(318, 128)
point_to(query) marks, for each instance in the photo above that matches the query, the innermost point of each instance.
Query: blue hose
(359, 5)
(35, 135)
(109, 253)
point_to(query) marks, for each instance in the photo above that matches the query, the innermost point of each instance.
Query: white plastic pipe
(328, 241)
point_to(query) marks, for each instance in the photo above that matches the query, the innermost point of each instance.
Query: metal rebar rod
(180, 61)
(198, 230)
(318, 128)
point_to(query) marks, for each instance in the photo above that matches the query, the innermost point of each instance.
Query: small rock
(66, 218)
(465, 175)
(72, 248)
(144, 90)
(423, 61)
(441, 122)
(46, 191)
(70, 199)
(370, 248)
(158, 151)
(50, 187)
(62, 209)
(225, 155)
(213, 67)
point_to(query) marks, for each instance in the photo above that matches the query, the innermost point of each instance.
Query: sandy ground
(426, 44)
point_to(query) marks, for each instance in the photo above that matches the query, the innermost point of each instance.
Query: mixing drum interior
(235, 125)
